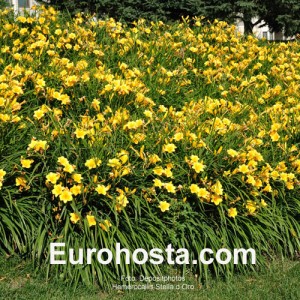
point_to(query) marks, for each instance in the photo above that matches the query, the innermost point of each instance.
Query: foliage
(283, 15)
(145, 135)
(127, 10)
(278, 15)
(3, 4)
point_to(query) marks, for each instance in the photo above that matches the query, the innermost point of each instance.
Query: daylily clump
(102, 114)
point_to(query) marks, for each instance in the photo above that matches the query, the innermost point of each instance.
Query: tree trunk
(248, 25)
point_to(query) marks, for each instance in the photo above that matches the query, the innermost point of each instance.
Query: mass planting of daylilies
(103, 114)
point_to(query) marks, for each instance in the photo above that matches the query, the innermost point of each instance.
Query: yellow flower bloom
(193, 49)
(232, 212)
(105, 225)
(251, 180)
(42, 20)
(216, 199)
(123, 156)
(63, 161)
(194, 159)
(37, 145)
(114, 163)
(26, 163)
(76, 189)
(58, 32)
(74, 218)
(167, 172)
(267, 188)
(21, 181)
(157, 182)
(154, 158)
(217, 188)
(281, 166)
(122, 199)
(158, 170)
(17, 56)
(2, 174)
(263, 203)
(148, 114)
(170, 148)
(91, 220)
(77, 177)
(162, 108)
(125, 171)
(289, 185)
(101, 189)
(22, 19)
(255, 155)
(69, 168)
(23, 31)
(274, 174)
(96, 105)
(93, 163)
(275, 126)
(178, 136)
(232, 153)
(170, 187)
(198, 167)
(66, 195)
(137, 137)
(80, 133)
(203, 193)
(133, 124)
(38, 114)
(274, 136)
(52, 177)
(284, 176)
(57, 190)
(251, 206)
(164, 206)
(194, 188)
(258, 183)
(243, 169)
(252, 163)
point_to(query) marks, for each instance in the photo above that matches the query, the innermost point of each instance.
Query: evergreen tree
(277, 14)
(4, 3)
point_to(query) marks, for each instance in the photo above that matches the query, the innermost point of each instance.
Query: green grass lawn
(281, 281)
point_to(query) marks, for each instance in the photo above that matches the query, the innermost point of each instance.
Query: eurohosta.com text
(140, 256)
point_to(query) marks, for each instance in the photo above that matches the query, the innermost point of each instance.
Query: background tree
(127, 10)
(277, 14)
(230, 11)
(282, 15)
(4, 3)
